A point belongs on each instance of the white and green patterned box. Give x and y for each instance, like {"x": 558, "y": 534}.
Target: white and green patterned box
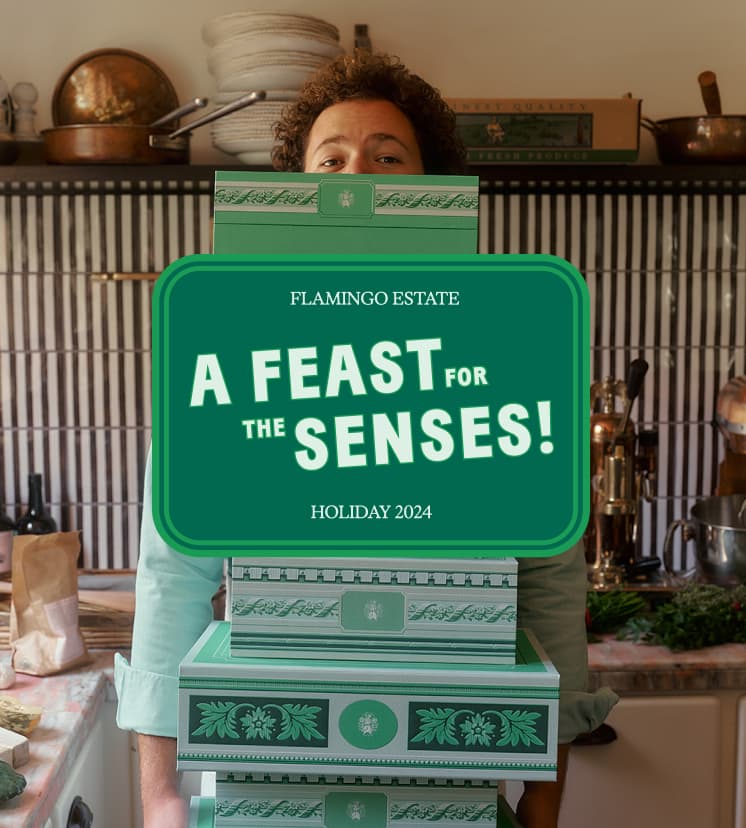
{"x": 418, "y": 609}
{"x": 275, "y": 212}
{"x": 351, "y": 807}
{"x": 437, "y": 720}
{"x": 344, "y": 802}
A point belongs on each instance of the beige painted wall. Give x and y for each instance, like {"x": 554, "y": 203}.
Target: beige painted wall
{"x": 525, "y": 48}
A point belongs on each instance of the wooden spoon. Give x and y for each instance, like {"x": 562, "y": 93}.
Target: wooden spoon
{"x": 708, "y": 84}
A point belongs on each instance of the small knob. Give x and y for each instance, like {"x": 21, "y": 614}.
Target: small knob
{"x": 637, "y": 370}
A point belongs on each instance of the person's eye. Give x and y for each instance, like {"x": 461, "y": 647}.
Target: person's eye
{"x": 388, "y": 159}
{"x": 330, "y": 162}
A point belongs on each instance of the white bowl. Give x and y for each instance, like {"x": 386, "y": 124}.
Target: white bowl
{"x": 262, "y": 110}
{"x": 270, "y": 77}
{"x": 255, "y": 158}
{"x": 272, "y": 42}
{"x": 223, "y": 67}
{"x": 236, "y": 145}
{"x": 238, "y": 131}
{"x": 240, "y": 23}
{"x": 229, "y": 124}
{"x": 281, "y": 96}
{"x": 248, "y": 116}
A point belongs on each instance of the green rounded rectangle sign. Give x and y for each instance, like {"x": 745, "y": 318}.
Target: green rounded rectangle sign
{"x": 416, "y": 406}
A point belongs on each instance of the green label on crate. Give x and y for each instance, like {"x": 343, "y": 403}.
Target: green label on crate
{"x": 354, "y": 198}
{"x": 360, "y": 809}
{"x": 368, "y": 724}
{"x": 421, "y": 406}
{"x": 380, "y": 611}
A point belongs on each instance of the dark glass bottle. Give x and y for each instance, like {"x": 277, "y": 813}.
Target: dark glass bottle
{"x": 7, "y": 530}
{"x": 36, "y": 520}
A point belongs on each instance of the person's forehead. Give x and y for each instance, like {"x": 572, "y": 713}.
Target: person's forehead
{"x": 350, "y": 118}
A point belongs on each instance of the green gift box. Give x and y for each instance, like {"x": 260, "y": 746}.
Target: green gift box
{"x": 456, "y": 611}
{"x": 316, "y": 213}
{"x": 437, "y": 720}
{"x": 353, "y": 803}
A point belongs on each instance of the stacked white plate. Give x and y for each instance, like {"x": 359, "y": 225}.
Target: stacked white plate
{"x": 254, "y": 50}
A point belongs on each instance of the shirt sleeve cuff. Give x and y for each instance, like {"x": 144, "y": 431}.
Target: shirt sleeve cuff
{"x": 145, "y": 699}
{"x": 583, "y": 712}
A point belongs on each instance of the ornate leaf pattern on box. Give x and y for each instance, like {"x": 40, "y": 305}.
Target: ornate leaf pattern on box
{"x": 285, "y": 608}
{"x": 266, "y": 808}
{"x": 477, "y": 728}
{"x": 265, "y": 196}
{"x": 252, "y": 723}
{"x": 426, "y": 199}
{"x": 453, "y": 613}
{"x": 307, "y": 197}
{"x": 445, "y": 811}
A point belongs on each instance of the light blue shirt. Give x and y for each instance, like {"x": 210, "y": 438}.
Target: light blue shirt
{"x": 173, "y": 607}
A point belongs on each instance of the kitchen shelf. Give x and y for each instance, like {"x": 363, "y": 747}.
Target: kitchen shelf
{"x": 611, "y": 179}
{"x": 518, "y": 178}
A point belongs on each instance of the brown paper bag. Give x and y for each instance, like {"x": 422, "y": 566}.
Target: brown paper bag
{"x": 44, "y": 628}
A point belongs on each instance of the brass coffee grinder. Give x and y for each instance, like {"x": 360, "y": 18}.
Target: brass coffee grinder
{"x": 623, "y": 466}
{"x": 730, "y": 415}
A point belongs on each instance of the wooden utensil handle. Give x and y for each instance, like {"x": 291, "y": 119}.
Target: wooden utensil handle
{"x": 708, "y": 85}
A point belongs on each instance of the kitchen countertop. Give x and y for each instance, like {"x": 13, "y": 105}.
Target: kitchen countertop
{"x": 71, "y": 701}
{"x": 627, "y": 667}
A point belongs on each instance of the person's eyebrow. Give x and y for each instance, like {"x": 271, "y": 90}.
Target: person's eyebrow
{"x": 381, "y": 137}
{"x": 377, "y": 137}
{"x": 332, "y": 139}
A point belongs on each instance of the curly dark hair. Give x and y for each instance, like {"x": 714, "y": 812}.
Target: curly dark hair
{"x": 366, "y": 76}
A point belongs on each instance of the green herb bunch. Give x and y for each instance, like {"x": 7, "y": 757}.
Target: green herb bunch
{"x": 607, "y": 611}
{"x": 699, "y": 615}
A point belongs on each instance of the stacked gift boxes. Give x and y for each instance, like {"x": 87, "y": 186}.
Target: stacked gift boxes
{"x": 305, "y": 704}
{"x": 362, "y": 693}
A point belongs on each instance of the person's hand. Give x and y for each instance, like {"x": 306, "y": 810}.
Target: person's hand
{"x": 166, "y": 812}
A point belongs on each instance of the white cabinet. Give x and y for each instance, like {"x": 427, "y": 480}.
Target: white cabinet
{"x": 663, "y": 770}
{"x": 101, "y": 775}
{"x": 679, "y": 762}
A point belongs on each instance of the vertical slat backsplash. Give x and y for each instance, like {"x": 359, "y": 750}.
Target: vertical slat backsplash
{"x": 75, "y": 392}
{"x": 667, "y": 281}
{"x": 666, "y": 269}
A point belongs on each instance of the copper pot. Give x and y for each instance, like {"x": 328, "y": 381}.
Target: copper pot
{"x": 130, "y": 143}
{"x": 713, "y": 138}
{"x": 703, "y": 139}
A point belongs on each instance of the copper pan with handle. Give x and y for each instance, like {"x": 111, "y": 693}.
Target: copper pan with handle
{"x": 713, "y": 138}
{"x": 155, "y": 143}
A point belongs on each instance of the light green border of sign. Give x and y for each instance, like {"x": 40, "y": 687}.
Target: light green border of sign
{"x": 493, "y": 548}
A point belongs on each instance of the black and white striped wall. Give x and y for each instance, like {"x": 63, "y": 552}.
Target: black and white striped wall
{"x": 665, "y": 261}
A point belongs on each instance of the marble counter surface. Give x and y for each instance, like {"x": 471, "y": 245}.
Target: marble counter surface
{"x": 627, "y": 667}
{"x": 70, "y": 703}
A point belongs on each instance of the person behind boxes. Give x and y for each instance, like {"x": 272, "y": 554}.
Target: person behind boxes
{"x": 366, "y": 114}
